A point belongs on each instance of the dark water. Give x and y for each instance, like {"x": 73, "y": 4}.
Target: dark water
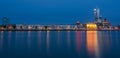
{"x": 60, "y": 44}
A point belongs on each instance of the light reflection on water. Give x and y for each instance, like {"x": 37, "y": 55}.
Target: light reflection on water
{"x": 68, "y": 39}
{"x": 9, "y": 38}
{"x": 39, "y": 39}
{"x": 58, "y": 39}
{"x": 48, "y": 41}
{"x": 29, "y": 40}
{"x": 1, "y": 40}
{"x": 92, "y": 44}
{"x": 60, "y": 44}
{"x": 78, "y": 41}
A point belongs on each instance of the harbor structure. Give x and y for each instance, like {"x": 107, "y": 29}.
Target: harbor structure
{"x": 98, "y": 24}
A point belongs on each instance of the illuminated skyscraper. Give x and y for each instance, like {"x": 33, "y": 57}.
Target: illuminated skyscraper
{"x": 96, "y": 12}
{"x": 97, "y": 15}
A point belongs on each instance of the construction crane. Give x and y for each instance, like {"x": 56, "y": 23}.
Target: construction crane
{"x": 5, "y": 21}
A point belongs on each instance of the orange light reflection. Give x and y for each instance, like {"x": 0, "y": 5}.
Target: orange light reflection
{"x": 92, "y": 44}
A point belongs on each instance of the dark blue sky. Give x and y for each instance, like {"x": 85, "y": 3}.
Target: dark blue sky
{"x": 58, "y": 11}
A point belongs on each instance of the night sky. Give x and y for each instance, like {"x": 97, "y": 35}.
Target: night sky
{"x": 58, "y": 11}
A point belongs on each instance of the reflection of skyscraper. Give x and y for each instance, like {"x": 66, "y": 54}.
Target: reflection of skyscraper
{"x": 92, "y": 44}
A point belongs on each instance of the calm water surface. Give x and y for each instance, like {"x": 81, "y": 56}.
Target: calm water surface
{"x": 60, "y": 44}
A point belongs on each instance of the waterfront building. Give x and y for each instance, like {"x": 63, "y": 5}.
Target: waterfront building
{"x": 106, "y": 23}
{"x": 91, "y": 26}
{"x": 118, "y": 26}
{"x": 2, "y": 27}
{"x": 10, "y": 26}
{"x": 40, "y": 27}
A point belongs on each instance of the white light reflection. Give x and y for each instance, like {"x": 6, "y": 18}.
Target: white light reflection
{"x": 1, "y": 40}
{"x": 29, "y": 42}
{"x": 110, "y": 38}
{"x": 92, "y": 44}
{"x": 16, "y": 36}
{"x": 9, "y": 38}
{"x": 48, "y": 41}
{"x": 106, "y": 40}
{"x": 39, "y": 35}
{"x": 58, "y": 39}
{"x": 19, "y": 39}
{"x": 68, "y": 38}
{"x": 117, "y": 38}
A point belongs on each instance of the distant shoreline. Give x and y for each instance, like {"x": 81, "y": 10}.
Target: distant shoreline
{"x": 60, "y": 30}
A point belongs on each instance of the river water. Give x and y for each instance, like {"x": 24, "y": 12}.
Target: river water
{"x": 59, "y": 44}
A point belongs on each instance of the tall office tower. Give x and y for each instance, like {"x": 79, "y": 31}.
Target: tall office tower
{"x": 97, "y": 15}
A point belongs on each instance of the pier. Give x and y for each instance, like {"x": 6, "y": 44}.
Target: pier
{"x": 59, "y": 30}
{"x": 80, "y": 27}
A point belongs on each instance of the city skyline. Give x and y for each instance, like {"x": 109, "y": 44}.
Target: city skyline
{"x": 58, "y": 12}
